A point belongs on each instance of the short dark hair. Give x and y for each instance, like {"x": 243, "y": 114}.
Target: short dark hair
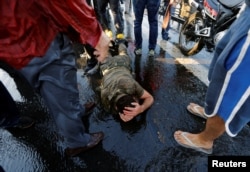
{"x": 124, "y": 101}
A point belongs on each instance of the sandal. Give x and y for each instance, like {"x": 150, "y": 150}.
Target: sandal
{"x": 196, "y": 110}
{"x": 189, "y": 144}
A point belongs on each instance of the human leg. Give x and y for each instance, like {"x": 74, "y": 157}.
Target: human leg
{"x": 215, "y": 127}
{"x": 102, "y": 8}
{"x": 139, "y": 7}
{"x": 55, "y": 77}
{"x": 227, "y": 95}
{"x": 165, "y": 34}
{"x": 233, "y": 96}
{"x": 69, "y": 119}
{"x": 117, "y": 15}
{"x": 196, "y": 110}
{"x": 166, "y": 22}
{"x": 153, "y": 7}
{"x": 96, "y": 8}
{"x": 165, "y": 29}
{"x": 127, "y": 6}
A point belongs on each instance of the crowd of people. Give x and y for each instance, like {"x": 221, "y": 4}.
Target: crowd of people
{"x": 49, "y": 66}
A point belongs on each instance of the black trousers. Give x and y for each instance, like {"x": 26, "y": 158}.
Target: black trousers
{"x": 116, "y": 11}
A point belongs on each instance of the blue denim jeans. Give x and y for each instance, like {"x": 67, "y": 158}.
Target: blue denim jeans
{"x": 54, "y": 76}
{"x": 164, "y": 33}
{"x": 152, "y": 7}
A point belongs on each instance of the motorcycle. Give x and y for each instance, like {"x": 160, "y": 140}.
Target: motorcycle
{"x": 207, "y": 25}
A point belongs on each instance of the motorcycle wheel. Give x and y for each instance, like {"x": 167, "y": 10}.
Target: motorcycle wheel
{"x": 189, "y": 43}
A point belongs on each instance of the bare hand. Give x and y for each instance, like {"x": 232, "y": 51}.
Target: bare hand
{"x": 102, "y": 47}
{"x": 130, "y": 112}
{"x": 126, "y": 118}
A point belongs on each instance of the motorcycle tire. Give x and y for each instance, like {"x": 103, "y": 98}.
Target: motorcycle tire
{"x": 189, "y": 43}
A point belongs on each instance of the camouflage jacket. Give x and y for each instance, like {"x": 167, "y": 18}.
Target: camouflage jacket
{"x": 117, "y": 81}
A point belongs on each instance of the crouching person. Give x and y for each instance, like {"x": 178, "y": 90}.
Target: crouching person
{"x": 36, "y": 39}
{"x": 120, "y": 92}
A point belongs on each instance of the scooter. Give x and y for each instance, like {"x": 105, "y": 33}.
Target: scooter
{"x": 207, "y": 25}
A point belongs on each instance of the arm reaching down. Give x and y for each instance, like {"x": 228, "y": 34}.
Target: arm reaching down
{"x": 102, "y": 47}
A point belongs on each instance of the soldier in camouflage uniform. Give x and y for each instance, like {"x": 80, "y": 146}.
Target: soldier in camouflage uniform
{"x": 118, "y": 82}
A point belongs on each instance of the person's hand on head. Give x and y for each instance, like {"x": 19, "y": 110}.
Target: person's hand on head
{"x": 126, "y": 118}
{"x": 133, "y": 111}
{"x": 102, "y": 48}
{"x": 130, "y": 112}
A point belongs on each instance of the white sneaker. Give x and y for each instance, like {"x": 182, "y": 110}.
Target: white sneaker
{"x": 151, "y": 53}
{"x": 138, "y": 51}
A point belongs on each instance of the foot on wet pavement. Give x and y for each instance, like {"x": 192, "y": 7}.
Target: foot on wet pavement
{"x": 183, "y": 140}
{"x": 196, "y": 110}
{"x": 94, "y": 140}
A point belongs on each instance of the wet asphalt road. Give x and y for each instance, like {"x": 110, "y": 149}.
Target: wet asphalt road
{"x": 144, "y": 144}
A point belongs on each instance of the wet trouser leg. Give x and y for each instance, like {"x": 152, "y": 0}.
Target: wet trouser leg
{"x": 117, "y": 15}
{"x": 139, "y": 7}
{"x": 153, "y": 7}
{"x": 103, "y": 12}
{"x": 54, "y": 75}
